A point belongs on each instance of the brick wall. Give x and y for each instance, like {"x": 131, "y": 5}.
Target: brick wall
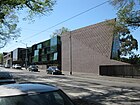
{"x": 83, "y": 50}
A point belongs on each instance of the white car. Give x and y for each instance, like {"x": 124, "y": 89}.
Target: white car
{"x": 7, "y": 66}
{"x": 17, "y": 66}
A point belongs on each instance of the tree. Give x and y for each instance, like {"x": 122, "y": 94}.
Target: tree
{"x": 1, "y": 58}
{"x": 128, "y": 19}
{"x": 128, "y": 12}
{"x": 60, "y": 32}
{"x": 134, "y": 59}
{"x": 127, "y": 42}
{"x": 9, "y": 18}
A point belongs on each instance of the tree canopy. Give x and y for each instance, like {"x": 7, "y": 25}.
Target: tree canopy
{"x": 128, "y": 19}
{"x": 128, "y": 12}
{"x": 9, "y": 18}
{"x": 60, "y": 32}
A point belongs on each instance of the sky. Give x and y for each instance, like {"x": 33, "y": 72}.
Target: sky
{"x": 40, "y": 30}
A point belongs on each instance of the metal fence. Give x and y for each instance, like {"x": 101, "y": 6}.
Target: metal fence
{"x": 120, "y": 70}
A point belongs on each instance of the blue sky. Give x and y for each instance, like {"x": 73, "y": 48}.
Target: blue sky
{"x": 63, "y": 10}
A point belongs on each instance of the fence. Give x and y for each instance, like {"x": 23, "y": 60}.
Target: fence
{"x": 120, "y": 70}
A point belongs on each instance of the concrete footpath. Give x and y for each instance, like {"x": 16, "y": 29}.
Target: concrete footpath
{"x": 107, "y": 78}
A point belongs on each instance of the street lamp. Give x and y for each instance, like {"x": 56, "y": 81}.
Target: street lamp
{"x": 26, "y": 56}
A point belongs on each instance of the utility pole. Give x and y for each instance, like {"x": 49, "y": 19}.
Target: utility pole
{"x": 70, "y": 55}
{"x": 26, "y": 58}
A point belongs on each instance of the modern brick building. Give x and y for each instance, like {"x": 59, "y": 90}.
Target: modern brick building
{"x": 47, "y": 53}
{"x": 18, "y": 56}
{"x": 85, "y": 49}
{"x": 43, "y": 54}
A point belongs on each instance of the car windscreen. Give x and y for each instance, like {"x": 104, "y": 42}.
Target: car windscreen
{"x": 52, "y": 68}
{"x": 49, "y": 98}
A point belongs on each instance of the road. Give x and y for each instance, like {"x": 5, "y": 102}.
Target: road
{"x": 88, "y": 89}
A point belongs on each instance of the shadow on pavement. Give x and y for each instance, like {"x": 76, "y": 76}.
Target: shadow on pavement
{"x": 89, "y": 93}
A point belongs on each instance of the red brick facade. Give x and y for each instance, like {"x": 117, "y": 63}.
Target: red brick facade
{"x": 83, "y": 50}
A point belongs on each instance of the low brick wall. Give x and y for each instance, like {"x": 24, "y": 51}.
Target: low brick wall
{"x": 120, "y": 70}
{"x": 43, "y": 67}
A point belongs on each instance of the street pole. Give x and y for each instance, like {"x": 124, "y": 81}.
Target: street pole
{"x": 26, "y": 58}
{"x": 70, "y": 54}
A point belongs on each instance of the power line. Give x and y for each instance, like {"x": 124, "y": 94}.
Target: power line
{"x": 65, "y": 20}
{"x": 68, "y": 19}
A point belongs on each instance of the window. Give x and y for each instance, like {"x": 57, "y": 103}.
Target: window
{"x": 46, "y": 43}
{"x": 53, "y": 48}
{"x": 43, "y": 52}
{"x": 35, "y": 59}
{"x": 59, "y": 99}
{"x": 51, "y": 57}
{"x": 55, "y": 56}
{"x": 53, "y": 41}
{"x": 44, "y": 58}
{"x": 36, "y": 52}
{"x": 39, "y": 46}
{"x": 115, "y": 47}
{"x": 48, "y": 50}
{"x": 49, "y": 98}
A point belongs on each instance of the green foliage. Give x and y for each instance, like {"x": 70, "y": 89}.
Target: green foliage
{"x": 60, "y": 32}
{"x": 127, "y": 42}
{"x": 8, "y": 28}
{"x": 134, "y": 59}
{"x": 128, "y": 19}
{"x": 9, "y": 18}
{"x": 128, "y": 12}
{"x": 1, "y": 57}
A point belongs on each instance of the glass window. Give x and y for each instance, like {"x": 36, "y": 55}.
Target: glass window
{"x": 53, "y": 48}
{"x": 15, "y": 55}
{"x": 46, "y": 43}
{"x": 39, "y": 46}
{"x": 51, "y": 57}
{"x": 50, "y": 98}
{"x": 43, "y": 52}
{"x": 35, "y": 59}
{"x": 44, "y": 58}
{"x": 48, "y": 50}
{"x": 116, "y": 46}
{"x": 36, "y": 52}
{"x": 53, "y": 41}
{"x": 55, "y": 56}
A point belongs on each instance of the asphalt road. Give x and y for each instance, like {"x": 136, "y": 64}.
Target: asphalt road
{"x": 88, "y": 89}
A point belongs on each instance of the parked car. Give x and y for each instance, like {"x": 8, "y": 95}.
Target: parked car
{"x": 6, "y": 78}
{"x": 17, "y": 66}
{"x": 32, "y": 94}
{"x": 53, "y": 70}
{"x": 1, "y": 65}
{"x": 33, "y": 68}
{"x": 13, "y": 66}
{"x": 7, "y": 66}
